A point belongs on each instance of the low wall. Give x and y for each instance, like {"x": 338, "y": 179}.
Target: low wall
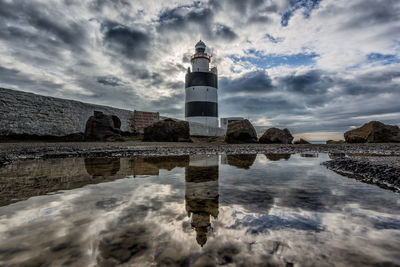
{"x": 31, "y": 114}
{"x": 24, "y": 113}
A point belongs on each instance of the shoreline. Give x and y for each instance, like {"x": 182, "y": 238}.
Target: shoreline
{"x": 371, "y": 163}
{"x": 381, "y": 171}
{"x": 33, "y": 150}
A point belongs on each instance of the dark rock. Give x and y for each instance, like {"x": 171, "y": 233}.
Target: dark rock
{"x": 301, "y": 142}
{"x": 335, "y": 142}
{"x": 335, "y": 155}
{"x": 309, "y": 155}
{"x": 117, "y": 122}
{"x": 167, "y": 130}
{"x": 277, "y": 157}
{"x": 4, "y": 159}
{"x": 240, "y": 132}
{"x": 75, "y": 137}
{"x": 276, "y": 136}
{"x": 241, "y": 161}
{"x": 168, "y": 162}
{"x": 101, "y": 127}
{"x": 102, "y": 166}
{"x": 373, "y": 132}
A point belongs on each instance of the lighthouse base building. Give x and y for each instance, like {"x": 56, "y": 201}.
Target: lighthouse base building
{"x": 201, "y": 95}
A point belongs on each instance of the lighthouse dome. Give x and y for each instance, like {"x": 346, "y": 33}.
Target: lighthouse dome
{"x": 200, "y": 47}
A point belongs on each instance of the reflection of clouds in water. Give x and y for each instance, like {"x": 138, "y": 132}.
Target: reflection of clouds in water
{"x": 283, "y": 212}
{"x": 264, "y": 223}
{"x": 135, "y": 203}
{"x": 341, "y": 238}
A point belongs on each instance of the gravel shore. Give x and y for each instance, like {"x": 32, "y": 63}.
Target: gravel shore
{"x": 382, "y": 171}
{"x": 31, "y": 150}
{"x": 372, "y": 163}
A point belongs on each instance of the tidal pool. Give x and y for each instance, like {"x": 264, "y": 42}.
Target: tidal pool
{"x": 199, "y": 210}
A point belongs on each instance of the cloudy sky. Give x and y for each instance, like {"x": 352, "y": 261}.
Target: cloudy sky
{"x": 320, "y": 66}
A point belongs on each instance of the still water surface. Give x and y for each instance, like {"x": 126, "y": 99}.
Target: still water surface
{"x": 248, "y": 210}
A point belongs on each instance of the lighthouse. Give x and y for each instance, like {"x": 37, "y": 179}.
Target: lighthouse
{"x": 201, "y": 89}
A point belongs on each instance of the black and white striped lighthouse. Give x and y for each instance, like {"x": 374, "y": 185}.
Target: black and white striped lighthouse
{"x": 201, "y": 86}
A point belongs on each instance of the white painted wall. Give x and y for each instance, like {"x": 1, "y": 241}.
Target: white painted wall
{"x": 204, "y": 160}
{"x": 204, "y": 130}
{"x": 210, "y": 121}
{"x": 201, "y": 93}
{"x": 200, "y": 65}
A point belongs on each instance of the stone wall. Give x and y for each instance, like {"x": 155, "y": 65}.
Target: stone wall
{"x": 24, "y": 113}
{"x": 30, "y": 114}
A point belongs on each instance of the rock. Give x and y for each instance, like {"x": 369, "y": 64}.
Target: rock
{"x": 277, "y": 157}
{"x": 105, "y": 167}
{"x": 309, "y": 155}
{"x": 167, "y": 130}
{"x": 240, "y": 132}
{"x": 241, "y": 161}
{"x": 373, "y": 132}
{"x": 336, "y": 155}
{"x": 335, "y": 142}
{"x": 301, "y": 142}
{"x": 168, "y": 162}
{"x": 4, "y": 159}
{"x": 75, "y": 137}
{"x": 276, "y": 136}
{"x": 101, "y": 127}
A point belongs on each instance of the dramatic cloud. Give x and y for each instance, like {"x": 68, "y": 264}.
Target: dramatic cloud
{"x": 309, "y": 65}
{"x": 257, "y": 81}
{"x": 127, "y": 41}
{"x": 109, "y": 80}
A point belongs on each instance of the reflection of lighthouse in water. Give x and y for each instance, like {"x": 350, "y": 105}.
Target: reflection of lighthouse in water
{"x": 202, "y": 193}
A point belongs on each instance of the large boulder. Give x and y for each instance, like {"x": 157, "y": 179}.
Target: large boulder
{"x": 276, "y": 136}
{"x": 101, "y": 127}
{"x": 240, "y": 132}
{"x": 373, "y": 132}
{"x": 105, "y": 167}
{"x": 241, "y": 161}
{"x": 167, "y": 130}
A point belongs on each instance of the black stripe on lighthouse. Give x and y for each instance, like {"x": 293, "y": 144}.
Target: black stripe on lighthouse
{"x": 201, "y": 79}
{"x": 201, "y": 109}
